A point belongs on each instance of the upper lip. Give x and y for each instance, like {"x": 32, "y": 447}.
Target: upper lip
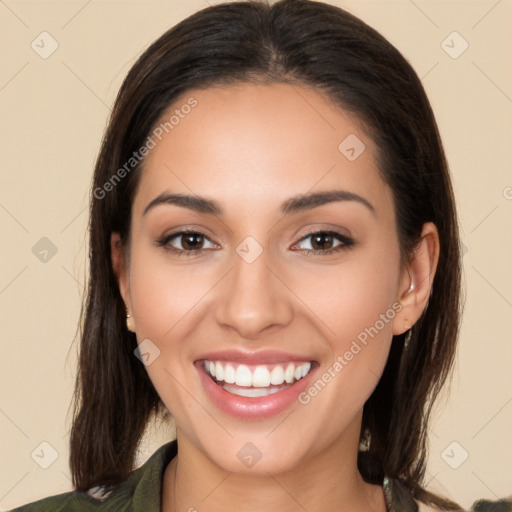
{"x": 253, "y": 358}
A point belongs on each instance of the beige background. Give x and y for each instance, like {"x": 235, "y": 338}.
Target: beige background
{"x": 53, "y": 115}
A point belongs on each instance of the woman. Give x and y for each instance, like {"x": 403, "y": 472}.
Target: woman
{"x": 274, "y": 259}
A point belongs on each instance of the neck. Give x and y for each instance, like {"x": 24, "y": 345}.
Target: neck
{"x": 329, "y": 481}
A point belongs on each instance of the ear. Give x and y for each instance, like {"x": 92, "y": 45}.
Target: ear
{"x": 120, "y": 266}
{"x": 417, "y": 279}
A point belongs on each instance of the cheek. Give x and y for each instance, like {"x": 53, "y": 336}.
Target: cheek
{"x": 350, "y": 303}
{"x": 163, "y": 299}
{"x": 168, "y": 300}
{"x": 356, "y": 304}
{"x": 351, "y": 297}
{"x": 164, "y": 294}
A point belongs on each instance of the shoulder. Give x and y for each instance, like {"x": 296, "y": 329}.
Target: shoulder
{"x": 67, "y": 502}
{"x": 426, "y": 508}
{"x": 140, "y": 491}
{"x": 399, "y": 499}
{"x": 502, "y": 505}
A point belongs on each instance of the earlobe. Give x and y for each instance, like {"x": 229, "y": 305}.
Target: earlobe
{"x": 115, "y": 252}
{"x": 415, "y": 292}
{"x": 121, "y": 272}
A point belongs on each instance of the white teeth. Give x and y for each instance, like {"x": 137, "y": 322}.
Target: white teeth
{"x": 305, "y": 369}
{"x": 289, "y": 374}
{"x": 229, "y": 374}
{"x": 277, "y": 375}
{"x": 243, "y": 376}
{"x": 219, "y": 371}
{"x": 259, "y": 377}
{"x": 250, "y": 392}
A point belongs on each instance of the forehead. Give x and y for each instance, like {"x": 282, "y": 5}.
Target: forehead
{"x": 248, "y": 145}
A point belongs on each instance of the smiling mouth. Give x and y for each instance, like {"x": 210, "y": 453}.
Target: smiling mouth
{"x": 255, "y": 380}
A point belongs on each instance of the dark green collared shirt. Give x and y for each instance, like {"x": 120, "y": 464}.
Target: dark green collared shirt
{"x": 141, "y": 492}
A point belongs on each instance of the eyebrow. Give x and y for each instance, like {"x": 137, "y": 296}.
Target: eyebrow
{"x": 293, "y": 205}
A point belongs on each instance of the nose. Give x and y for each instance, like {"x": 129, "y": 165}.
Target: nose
{"x": 253, "y": 298}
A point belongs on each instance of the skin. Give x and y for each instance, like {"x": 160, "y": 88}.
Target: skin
{"x": 251, "y": 147}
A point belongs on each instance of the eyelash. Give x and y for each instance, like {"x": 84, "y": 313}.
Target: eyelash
{"x": 346, "y": 243}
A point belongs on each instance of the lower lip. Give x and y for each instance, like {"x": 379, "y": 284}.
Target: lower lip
{"x": 252, "y": 407}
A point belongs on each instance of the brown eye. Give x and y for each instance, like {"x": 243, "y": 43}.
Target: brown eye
{"x": 326, "y": 242}
{"x": 191, "y": 241}
{"x": 322, "y": 241}
{"x": 186, "y": 242}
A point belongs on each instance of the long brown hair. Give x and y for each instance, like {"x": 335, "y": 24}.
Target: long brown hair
{"x": 297, "y": 42}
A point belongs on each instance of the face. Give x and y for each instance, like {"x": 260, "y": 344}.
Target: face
{"x": 286, "y": 284}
